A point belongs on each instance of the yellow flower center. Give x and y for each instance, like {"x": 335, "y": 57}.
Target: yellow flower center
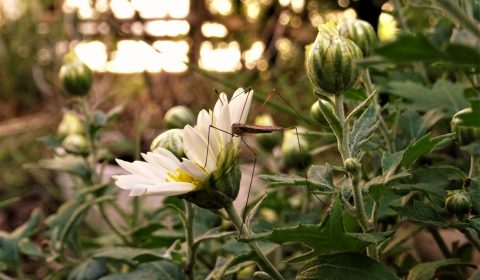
{"x": 181, "y": 176}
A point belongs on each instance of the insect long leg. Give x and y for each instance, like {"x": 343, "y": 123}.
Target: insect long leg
{"x": 250, "y": 184}
{"x": 304, "y": 167}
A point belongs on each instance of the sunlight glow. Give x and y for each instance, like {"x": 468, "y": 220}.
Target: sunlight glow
{"x": 224, "y": 58}
{"x": 172, "y": 55}
{"x": 151, "y": 9}
{"x": 213, "y": 29}
{"x": 94, "y": 54}
{"x": 222, "y": 7}
{"x": 85, "y": 11}
{"x": 122, "y": 9}
{"x": 170, "y": 28}
{"x": 254, "y": 54}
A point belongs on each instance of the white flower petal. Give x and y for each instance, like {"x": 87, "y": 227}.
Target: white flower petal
{"x": 193, "y": 169}
{"x": 140, "y": 167}
{"x": 195, "y": 147}
{"x": 173, "y": 188}
{"x": 128, "y": 182}
{"x": 161, "y": 162}
{"x": 166, "y": 153}
{"x": 239, "y": 105}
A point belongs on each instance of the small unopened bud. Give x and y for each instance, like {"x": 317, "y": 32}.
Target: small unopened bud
{"x": 360, "y": 32}
{"x": 295, "y": 148}
{"x": 352, "y": 165}
{"x": 70, "y": 124}
{"x": 75, "y": 144}
{"x": 316, "y": 111}
{"x": 267, "y": 140}
{"x": 464, "y": 134}
{"x": 178, "y": 117}
{"x": 458, "y": 202}
{"x": 75, "y": 76}
{"x": 330, "y": 62}
{"x": 171, "y": 140}
{"x": 260, "y": 275}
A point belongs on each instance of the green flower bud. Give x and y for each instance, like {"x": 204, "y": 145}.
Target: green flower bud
{"x": 221, "y": 188}
{"x": 316, "y": 112}
{"x": 360, "y": 32}
{"x": 260, "y": 275}
{"x": 75, "y": 76}
{"x": 70, "y": 124}
{"x": 464, "y": 134}
{"x": 267, "y": 140}
{"x": 330, "y": 63}
{"x": 458, "y": 202}
{"x": 352, "y": 165}
{"x": 171, "y": 140}
{"x": 178, "y": 117}
{"x": 75, "y": 144}
{"x": 294, "y": 155}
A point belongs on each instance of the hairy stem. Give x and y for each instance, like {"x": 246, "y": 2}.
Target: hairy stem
{"x": 262, "y": 260}
{"x": 111, "y": 225}
{"x": 190, "y": 214}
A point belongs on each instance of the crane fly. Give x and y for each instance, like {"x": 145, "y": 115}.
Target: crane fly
{"x": 238, "y": 130}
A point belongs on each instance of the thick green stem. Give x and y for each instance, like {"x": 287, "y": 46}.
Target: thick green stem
{"x": 473, "y": 166}
{"x": 340, "y": 112}
{"x": 190, "y": 214}
{"x": 111, "y": 225}
{"x": 360, "y": 212}
{"x": 262, "y": 260}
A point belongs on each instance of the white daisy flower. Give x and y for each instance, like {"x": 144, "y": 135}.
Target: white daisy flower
{"x": 162, "y": 173}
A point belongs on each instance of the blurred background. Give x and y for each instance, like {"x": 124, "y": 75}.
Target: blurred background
{"x": 149, "y": 55}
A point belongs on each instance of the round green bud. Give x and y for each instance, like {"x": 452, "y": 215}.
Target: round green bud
{"x": 75, "y": 144}
{"x": 316, "y": 111}
{"x": 458, "y": 202}
{"x": 70, "y": 124}
{"x": 464, "y": 134}
{"x": 178, "y": 117}
{"x": 267, "y": 140}
{"x": 295, "y": 149}
{"x": 76, "y": 77}
{"x": 330, "y": 63}
{"x": 260, "y": 275}
{"x": 360, "y": 32}
{"x": 171, "y": 140}
{"x": 352, "y": 165}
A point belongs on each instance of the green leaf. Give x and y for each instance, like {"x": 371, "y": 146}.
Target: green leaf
{"x": 74, "y": 165}
{"x": 373, "y": 237}
{"x": 345, "y": 266}
{"x": 127, "y": 255}
{"x": 29, "y": 248}
{"x": 88, "y": 270}
{"x": 426, "y": 271}
{"x": 443, "y": 95}
{"x": 409, "y": 48}
{"x": 253, "y": 211}
{"x": 329, "y": 236}
{"x": 390, "y": 162}
{"x": 423, "y": 146}
{"x": 321, "y": 176}
{"x": 472, "y": 119}
{"x": 421, "y": 213}
{"x": 161, "y": 270}
{"x": 362, "y": 130}
{"x": 313, "y": 181}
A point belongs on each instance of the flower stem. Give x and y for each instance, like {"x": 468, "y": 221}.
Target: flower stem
{"x": 190, "y": 214}
{"x": 262, "y": 260}
{"x": 473, "y": 166}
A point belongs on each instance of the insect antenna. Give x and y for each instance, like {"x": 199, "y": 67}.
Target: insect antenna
{"x": 275, "y": 92}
